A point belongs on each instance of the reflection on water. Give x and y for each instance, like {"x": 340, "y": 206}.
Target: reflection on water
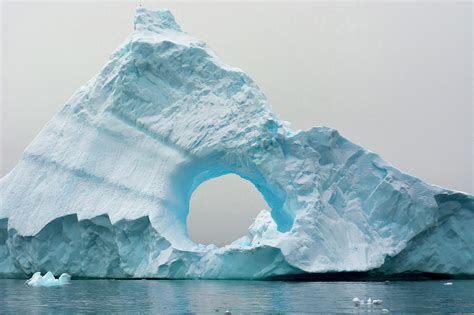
{"x": 159, "y": 296}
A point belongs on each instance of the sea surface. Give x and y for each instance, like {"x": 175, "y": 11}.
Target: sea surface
{"x": 238, "y": 297}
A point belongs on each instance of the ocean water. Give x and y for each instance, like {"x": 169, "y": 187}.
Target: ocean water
{"x": 238, "y": 297}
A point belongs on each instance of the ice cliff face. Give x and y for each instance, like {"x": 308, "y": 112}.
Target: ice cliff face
{"x": 104, "y": 189}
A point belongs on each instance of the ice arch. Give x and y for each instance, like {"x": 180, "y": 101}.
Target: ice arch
{"x": 190, "y": 175}
{"x": 221, "y": 209}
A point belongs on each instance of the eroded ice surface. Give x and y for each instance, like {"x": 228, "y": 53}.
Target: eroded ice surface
{"x": 104, "y": 189}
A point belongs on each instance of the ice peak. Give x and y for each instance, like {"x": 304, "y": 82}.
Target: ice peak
{"x": 155, "y": 21}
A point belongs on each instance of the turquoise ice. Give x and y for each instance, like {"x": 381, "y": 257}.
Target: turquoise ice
{"x": 48, "y": 280}
{"x": 104, "y": 189}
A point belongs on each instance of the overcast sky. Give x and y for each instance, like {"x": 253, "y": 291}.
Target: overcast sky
{"x": 394, "y": 78}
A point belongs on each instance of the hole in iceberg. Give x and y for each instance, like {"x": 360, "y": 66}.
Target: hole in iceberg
{"x": 222, "y": 209}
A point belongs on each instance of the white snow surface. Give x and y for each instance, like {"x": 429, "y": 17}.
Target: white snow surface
{"x": 104, "y": 189}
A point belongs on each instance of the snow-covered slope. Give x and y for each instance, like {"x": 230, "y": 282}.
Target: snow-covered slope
{"x": 104, "y": 189}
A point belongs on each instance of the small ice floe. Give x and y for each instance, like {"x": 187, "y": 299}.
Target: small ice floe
{"x": 358, "y": 302}
{"x": 448, "y": 283}
{"x": 384, "y": 310}
{"x": 48, "y": 280}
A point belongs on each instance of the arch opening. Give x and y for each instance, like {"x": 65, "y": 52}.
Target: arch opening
{"x": 221, "y": 209}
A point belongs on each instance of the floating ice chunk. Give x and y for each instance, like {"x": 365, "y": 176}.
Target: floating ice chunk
{"x": 448, "y": 283}
{"x": 356, "y": 301}
{"x": 48, "y": 280}
{"x": 384, "y": 310}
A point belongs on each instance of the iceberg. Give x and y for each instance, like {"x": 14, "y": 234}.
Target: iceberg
{"x": 104, "y": 189}
{"x": 48, "y": 280}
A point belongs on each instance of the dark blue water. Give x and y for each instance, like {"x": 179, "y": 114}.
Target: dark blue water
{"x": 239, "y": 297}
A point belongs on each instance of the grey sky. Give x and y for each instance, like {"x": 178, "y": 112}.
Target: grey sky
{"x": 394, "y": 78}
